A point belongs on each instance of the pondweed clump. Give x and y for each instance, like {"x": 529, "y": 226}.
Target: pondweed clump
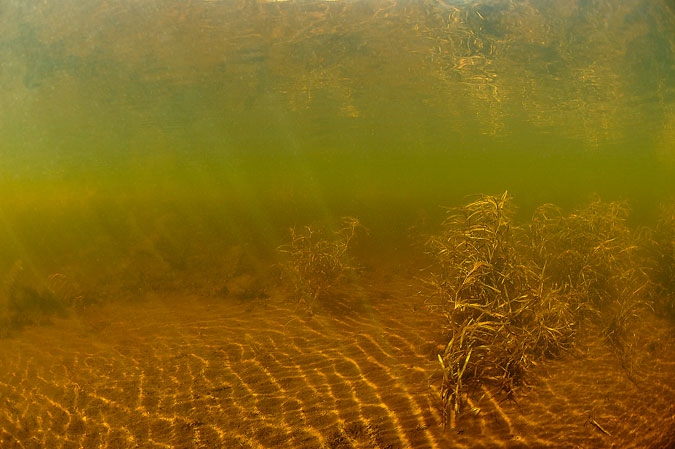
{"x": 515, "y": 295}
{"x": 662, "y": 252}
{"x": 500, "y": 316}
{"x": 22, "y": 304}
{"x": 597, "y": 262}
{"x": 590, "y": 252}
{"x": 315, "y": 262}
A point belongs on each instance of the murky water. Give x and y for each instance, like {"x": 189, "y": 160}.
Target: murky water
{"x": 158, "y": 150}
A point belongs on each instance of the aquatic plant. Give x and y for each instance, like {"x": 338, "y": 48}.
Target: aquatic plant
{"x": 598, "y": 263}
{"x": 661, "y": 248}
{"x": 515, "y": 295}
{"x": 315, "y": 263}
{"x": 501, "y": 315}
{"x": 22, "y": 304}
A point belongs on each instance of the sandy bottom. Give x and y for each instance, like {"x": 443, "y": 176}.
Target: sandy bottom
{"x": 359, "y": 371}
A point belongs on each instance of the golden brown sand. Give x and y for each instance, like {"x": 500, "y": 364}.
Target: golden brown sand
{"x": 174, "y": 370}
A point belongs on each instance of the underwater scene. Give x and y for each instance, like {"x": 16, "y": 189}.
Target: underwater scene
{"x": 337, "y": 224}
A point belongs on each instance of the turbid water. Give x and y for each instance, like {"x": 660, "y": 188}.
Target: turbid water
{"x": 153, "y": 156}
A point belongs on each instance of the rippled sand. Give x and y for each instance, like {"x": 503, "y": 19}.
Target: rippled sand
{"x": 180, "y": 370}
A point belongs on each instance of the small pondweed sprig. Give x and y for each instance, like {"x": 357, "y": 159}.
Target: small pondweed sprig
{"x": 315, "y": 262}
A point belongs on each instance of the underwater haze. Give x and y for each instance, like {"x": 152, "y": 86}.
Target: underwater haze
{"x": 154, "y": 155}
{"x": 335, "y": 107}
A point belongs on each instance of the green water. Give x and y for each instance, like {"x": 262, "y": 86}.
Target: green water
{"x": 155, "y": 153}
{"x": 206, "y": 120}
